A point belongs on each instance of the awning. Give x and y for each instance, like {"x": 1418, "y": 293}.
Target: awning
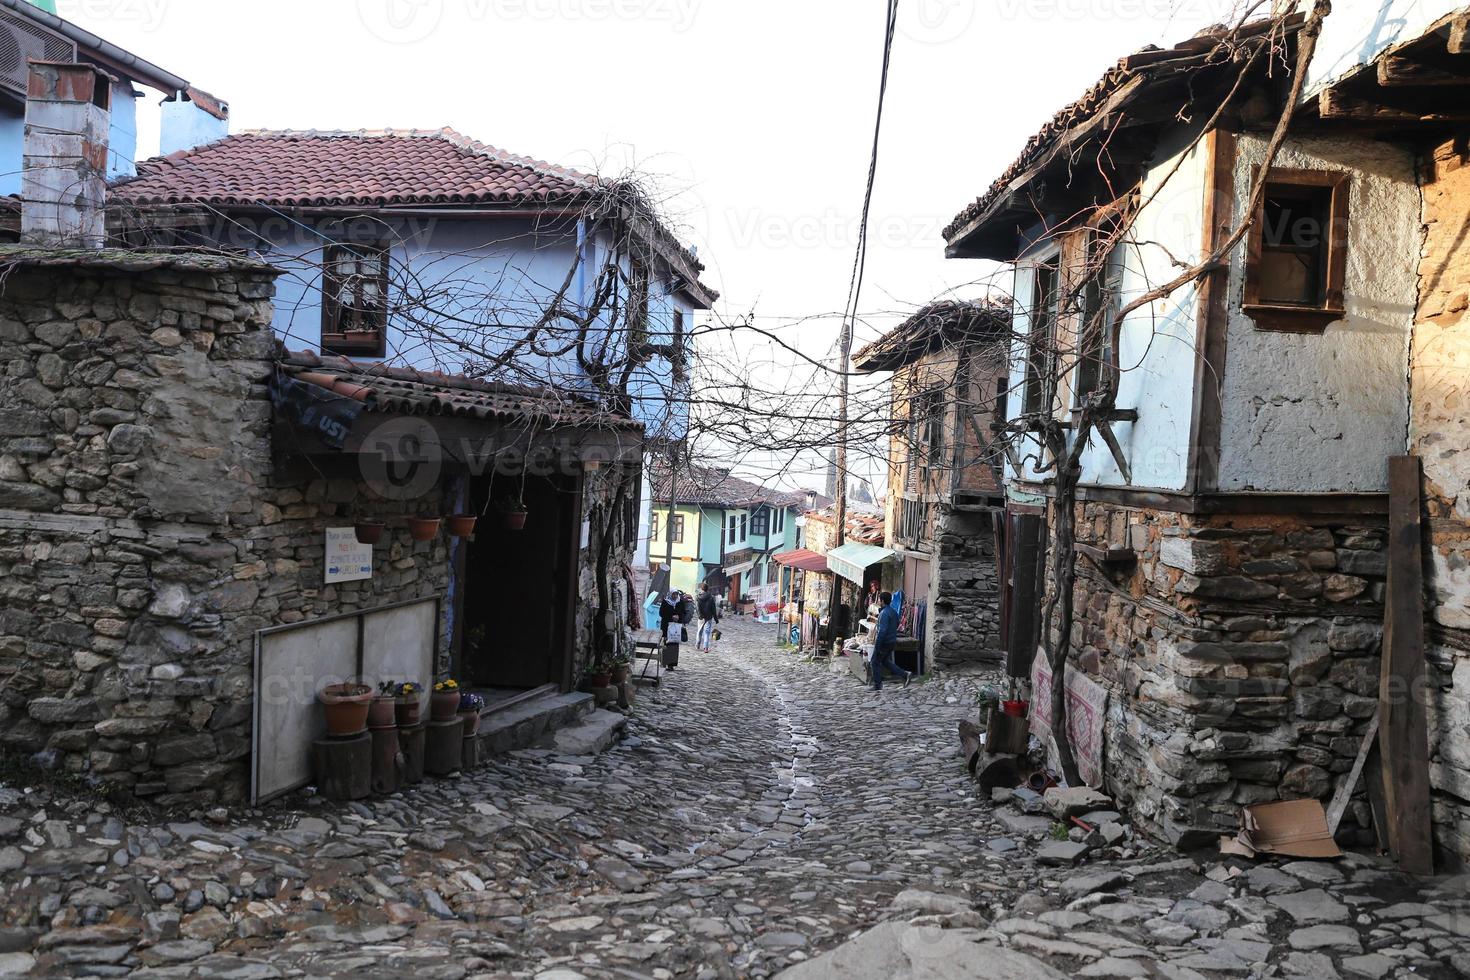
{"x": 739, "y": 569}
{"x": 802, "y": 559}
{"x": 851, "y": 560}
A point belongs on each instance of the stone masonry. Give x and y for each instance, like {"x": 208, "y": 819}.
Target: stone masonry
{"x": 964, "y": 620}
{"x": 143, "y": 534}
{"x": 1241, "y": 655}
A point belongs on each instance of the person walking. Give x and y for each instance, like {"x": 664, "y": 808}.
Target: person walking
{"x": 709, "y": 615}
{"x": 675, "y": 613}
{"x": 885, "y": 642}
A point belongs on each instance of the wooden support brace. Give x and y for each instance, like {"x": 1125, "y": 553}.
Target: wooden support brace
{"x": 1403, "y": 736}
{"x": 1344, "y": 793}
{"x": 1105, "y": 429}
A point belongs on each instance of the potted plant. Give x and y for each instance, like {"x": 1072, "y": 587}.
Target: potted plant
{"x": 423, "y": 528}
{"x": 381, "y": 710}
{"x": 600, "y": 675}
{"x": 410, "y": 700}
{"x": 346, "y": 707}
{"x": 513, "y": 513}
{"x": 369, "y": 530}
{"x": 622, "y": 669}
{"x": 470, "y": 706}
{"x": 444, "y": 702}
{"x": 461, "y": 525}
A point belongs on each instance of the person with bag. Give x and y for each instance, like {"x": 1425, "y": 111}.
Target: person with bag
{"x": 709, "y": 615}
{"x": 885, "y": 642}
{"x": 675, "y": 614}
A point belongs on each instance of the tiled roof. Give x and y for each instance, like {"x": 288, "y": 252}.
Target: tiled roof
{"x": 862, "y": 527}
{"x": 713, "y": 487}
{"x": 363, "y": 168}
{"x": 939, "y": 324}
{"x": 1214, "y": 46}
{"x": 405, "y": 391}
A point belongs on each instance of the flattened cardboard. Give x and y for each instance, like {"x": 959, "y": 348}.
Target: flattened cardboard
{"x": 1294, "y": 828}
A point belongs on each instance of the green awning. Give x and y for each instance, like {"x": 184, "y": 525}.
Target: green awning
{"x": 851, "y": 560}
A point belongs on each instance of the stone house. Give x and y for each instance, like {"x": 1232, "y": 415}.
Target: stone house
{"x": 175, "y": 484}
{"x": 950, "y": 374}
{"x": 1231, "y": 585}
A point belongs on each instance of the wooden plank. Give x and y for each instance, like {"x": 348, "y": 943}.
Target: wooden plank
{"x": 1344, "y": 793}
{"x": 1335, "y": 104}
{"x": 1403, "y": 736}
{"x": 1212, "y": 317}
{"x": 1459, "y": 42}
{"x": 1426, "y": 69}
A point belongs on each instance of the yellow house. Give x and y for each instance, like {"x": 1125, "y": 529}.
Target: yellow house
{"x": 686, "y": 571}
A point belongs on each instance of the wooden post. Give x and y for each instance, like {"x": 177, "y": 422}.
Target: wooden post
{"x": 344, "y": 766}
{"x": 1403, "y": 737}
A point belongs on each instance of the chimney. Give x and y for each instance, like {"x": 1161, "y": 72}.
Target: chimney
{"x": 64, "y": 172}
{"x": 190, "y": 119}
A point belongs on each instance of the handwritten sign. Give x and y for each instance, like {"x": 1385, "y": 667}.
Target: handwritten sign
{"x": 347, "y": 559}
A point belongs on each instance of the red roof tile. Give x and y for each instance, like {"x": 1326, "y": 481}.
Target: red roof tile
{"x": 364, "y": 168}
{"x": 410, "y": 392}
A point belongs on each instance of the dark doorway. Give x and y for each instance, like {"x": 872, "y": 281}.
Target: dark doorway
{"x": 519, "y": 588}
{"x": 1022, "y": 589}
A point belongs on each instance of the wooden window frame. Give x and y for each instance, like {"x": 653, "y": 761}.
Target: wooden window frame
{"x": 676, "y": 526}
{"x": 653, "y": 526}
{"x": 1103, "y": 291}
{"x": 1302, "y": 319}
{"x": 760, "y": 523}
{"x": 367, "y": 333}
{"x": 639, "y": 302}
{"x": 1040, "y": 384}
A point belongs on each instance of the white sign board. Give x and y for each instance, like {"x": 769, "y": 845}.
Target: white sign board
{"x": 347, "y": 559}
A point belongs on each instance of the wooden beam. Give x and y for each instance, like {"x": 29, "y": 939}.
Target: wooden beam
{"x": 1344, "y": 793}
{"x": 1403, "y": 737}
{"x": 1335, "y": 104}
{"x": 1430, "y": 68}
{"x": 1459, "y": 42}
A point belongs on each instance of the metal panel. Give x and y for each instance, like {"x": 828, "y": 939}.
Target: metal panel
{"x": 290, "y": 667}
{"x": 852, "y": 560}
{"x": 292, "y": 663}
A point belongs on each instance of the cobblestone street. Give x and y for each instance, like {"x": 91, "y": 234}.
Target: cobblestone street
{"x": 762, "y": 812}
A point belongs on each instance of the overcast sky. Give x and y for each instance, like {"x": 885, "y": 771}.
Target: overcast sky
{"x": 756, "y": 114}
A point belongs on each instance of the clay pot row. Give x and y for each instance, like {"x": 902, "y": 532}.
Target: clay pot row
{"x": 352, "y": 707}
{"x": 370, "y": 530}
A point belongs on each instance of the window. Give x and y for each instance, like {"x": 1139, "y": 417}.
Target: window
{"x": 355, "y": 300}
{"x": 760, "y": 522}
{"x": 926, "y": 438}
{"x": 653, "y": 528}
{"x": 677, "y": 524}
{"x": 680, "y": 367}
{"x": 744, "y": 526}
{"x": 1101, "y": 303}
{"x": 637, "y": 312}
{"x": 732, "y": 528}
{"x": 1040, "y": 355}
{"x": 778, "y": 521}
{"x": 1297, "y": 261}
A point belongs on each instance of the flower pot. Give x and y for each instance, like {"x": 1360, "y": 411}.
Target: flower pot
{"x": 346, "y": 707}
{"x": 423, "y": 528}
{"x": 381, "y": 713}
{"x": 406, "y": 710}
{"x": 471, "y": 721}
{"x": 369, "y": 532}
{"x": 620, "y": 675}
{"x": 515, "y": 520}
{"x": 443, "y": 705}
{"x": 603, "y": 679}
{"x": 461, "y": 525}
{"x": 1016, "y": 709}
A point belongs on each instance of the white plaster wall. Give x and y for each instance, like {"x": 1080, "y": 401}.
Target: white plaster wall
{"x": 1358, "y": 31}
{"x": 1321, "y": 413}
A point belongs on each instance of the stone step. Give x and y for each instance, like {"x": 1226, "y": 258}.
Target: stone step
{"x": 594, "y": 734}
{"x": 525, "y": 724}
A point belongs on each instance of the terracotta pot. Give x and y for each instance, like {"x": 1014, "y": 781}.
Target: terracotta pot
{"x": 1016, "y": 709}
{"x": 515, "y": 520}
{"x": 603, "y": 679}
{"x": 443, "y": 705}
{"x": 423, "y": 528}
{"x": 461, "y": 525}
{"x": 406, "y": 710}
{"x": 381, "y": 713}
{"x": 471, "y": 721}
{"x": 346, "y": 707}
{"x": 368, "y": 532}
{"x": 620, "y": 675}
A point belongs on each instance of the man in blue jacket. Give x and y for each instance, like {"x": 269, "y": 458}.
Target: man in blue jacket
{"x": 885, "y": 641}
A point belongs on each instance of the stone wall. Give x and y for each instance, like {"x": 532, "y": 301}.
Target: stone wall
{"x": 1241, "y": 654}
{"x": 1440, "y": 434}
{"x": 144, "y": 535}
{"x": 964, "y": 591}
